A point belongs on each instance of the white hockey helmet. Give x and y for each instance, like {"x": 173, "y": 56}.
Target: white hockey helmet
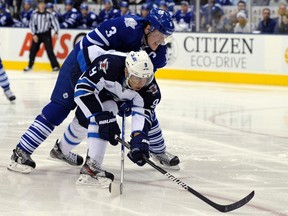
{"x": 140, "y": 67}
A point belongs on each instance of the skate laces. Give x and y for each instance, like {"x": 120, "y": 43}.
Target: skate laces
{"x": 71, "y": 157}
{"x": 23, "y": 155}
{"x": 164, "y": 157}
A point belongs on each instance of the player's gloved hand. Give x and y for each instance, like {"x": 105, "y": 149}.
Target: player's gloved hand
{"x": 124, "y": 108}
{"x": 108, "y": 127}
{"x": 139, "y": 147}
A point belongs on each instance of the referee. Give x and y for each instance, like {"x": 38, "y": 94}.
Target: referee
{"x": 41, "y": 24}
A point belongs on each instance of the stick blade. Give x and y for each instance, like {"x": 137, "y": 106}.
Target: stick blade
{"x": 236, "y": 205}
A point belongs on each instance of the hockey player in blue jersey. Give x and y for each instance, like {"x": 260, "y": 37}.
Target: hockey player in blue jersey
{"x": 124, "y": 8}
{"x": 124, "y": 34}
{"x": 50, "y": 8}
{"x": 111, "y": 79}
{"x": 70, "y": 19}
{"x": 5, "y": 16}
{"x": 5, "y": 84}
{"x": 88, "y": 19}
{"x": 108, "y": 12}
{"x": 25, "y": 14}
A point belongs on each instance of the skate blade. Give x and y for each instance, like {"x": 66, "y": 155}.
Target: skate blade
{"x": 99, "y": 182}
{"x": 20, "y": 168}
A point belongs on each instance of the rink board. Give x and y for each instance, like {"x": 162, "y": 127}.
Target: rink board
{"x": 241, "y": 58}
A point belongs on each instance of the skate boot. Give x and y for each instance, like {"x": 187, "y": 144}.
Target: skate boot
{"x": 9, "y": 95}
{"x": 21, "y": 162}
{"x": 71, "y": 158}
{"x": 91, "y": 174}
{"x": 166, "y": 160}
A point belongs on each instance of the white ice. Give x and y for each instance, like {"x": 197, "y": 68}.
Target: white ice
{"x": 231, "y": 139}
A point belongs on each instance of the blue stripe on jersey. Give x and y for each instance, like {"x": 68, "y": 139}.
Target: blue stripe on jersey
{"x": 86, "y": 81}
{"x": 79, "y": 93}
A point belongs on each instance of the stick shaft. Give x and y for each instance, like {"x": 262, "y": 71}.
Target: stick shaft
{"x": 122, "y": 155}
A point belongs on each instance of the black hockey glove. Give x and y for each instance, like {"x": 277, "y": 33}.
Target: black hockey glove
{"x": 124, "y": 108}
{"x": 108, "y": 127}
{"x": 139, "y": 147}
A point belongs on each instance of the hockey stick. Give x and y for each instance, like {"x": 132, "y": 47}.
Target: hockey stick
{"x": 122, "y": 155}
{"x": 221, "y": 208}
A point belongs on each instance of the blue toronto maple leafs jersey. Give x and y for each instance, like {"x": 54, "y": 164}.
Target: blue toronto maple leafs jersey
{"x": 70, "y": 19}
{"x": 88, "y": 22}
{"x": 25, "y": 17}
{"x": 123, "y": 34}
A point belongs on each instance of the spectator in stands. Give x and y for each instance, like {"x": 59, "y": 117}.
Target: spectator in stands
{"x": 184, "y": 18}
{"x": 163, "y": 5}
{"x": 242, "y": 25}
{"x": 282, "y": 10}
{"x": 171, "y": 5}
{"x": 283, "y": 29}
{"x": 212, "y": 17}
{"x": 108, "y": 12}
{"x": 224, "y": 2}
{"x": 88, "y": 19}
{"x": 124, "y": 8}
{"x": 26, "y": 13}
{"x": 275, "y": 3}
{"x": 70, "y": 19}
{"x": 50, "y": 8}
{"x": 241, "y": 6}
{"x": 145, "y": 8}
{"x": 6, "y": 19}
{"x": 266, "y": 25}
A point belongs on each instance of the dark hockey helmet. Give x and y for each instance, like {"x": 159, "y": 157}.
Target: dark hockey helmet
{"x": 161, "y": 20}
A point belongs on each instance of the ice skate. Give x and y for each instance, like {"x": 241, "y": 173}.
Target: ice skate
{"x": 71, "y": 158}
{"x": 21, "y": 162}
{"x": 166, "y": 160}
{"x": 91, "y": 174}
{"x": 9, "y": 95}
{"x": 26, "y": 69}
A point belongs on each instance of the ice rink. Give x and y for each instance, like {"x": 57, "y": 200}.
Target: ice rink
{"x": 231, "y": 139}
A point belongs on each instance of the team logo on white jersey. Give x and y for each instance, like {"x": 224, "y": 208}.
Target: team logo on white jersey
{"x": 103, "y": 65}
{"x": 130, "y": 22}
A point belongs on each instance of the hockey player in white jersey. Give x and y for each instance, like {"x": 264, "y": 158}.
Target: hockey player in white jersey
{"x": 112, "y": 79}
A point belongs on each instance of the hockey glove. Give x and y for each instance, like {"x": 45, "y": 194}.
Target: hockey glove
{"x": 108, "y": 127}
{"x": 125, "y": 108}
{"x": 139, "y": 148}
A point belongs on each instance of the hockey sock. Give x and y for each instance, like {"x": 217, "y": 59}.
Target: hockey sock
{"x": 39, "y": 130}
{"x": 157, "y": 144}
{"x": 73, "y": 135}
{"x": 96, "y": 146}
{"x": 4, "y": 82}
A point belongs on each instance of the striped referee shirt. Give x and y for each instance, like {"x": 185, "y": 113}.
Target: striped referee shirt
{"x": 43, "y": 22}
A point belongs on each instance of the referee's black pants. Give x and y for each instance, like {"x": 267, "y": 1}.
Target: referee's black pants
{"x": 47, "y": 40}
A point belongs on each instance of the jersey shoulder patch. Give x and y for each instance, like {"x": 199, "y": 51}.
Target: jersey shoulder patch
{"x": 130, "y": 22}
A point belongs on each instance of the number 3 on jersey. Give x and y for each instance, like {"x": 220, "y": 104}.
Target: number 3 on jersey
{"x": 111, "y": 32}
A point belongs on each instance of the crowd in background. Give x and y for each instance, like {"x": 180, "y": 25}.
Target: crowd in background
{"x": 213, "y": 16}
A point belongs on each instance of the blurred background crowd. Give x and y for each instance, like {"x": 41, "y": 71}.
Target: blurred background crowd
{"x": 218, "y": 16}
